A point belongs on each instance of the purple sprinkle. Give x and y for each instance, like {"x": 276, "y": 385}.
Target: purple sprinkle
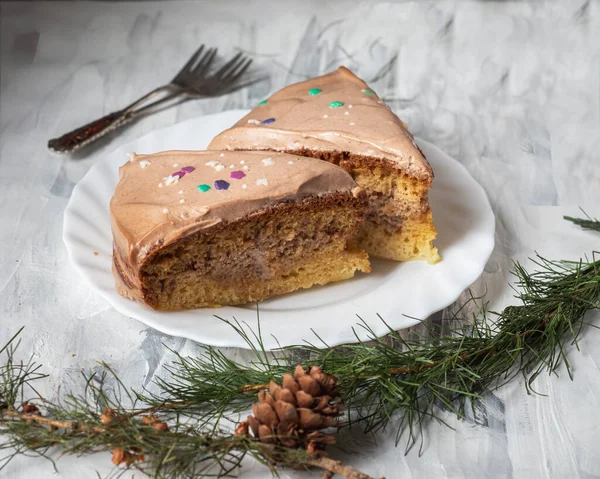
{"x": 237, "y": 175}
{"x": 267, "y": 121}
{"x": 178, "y": 174}
{"x": 221, "y": 185}
{"x": 188, "y": 169}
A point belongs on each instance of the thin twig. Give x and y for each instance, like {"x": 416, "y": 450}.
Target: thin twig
{"x": 336, "y": 467}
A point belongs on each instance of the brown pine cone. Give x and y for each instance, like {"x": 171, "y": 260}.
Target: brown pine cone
{"x": 294, "y": 413}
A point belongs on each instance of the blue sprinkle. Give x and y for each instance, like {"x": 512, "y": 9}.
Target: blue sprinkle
{"x": 221, "y": 185}
{"x": 267, "y": 121}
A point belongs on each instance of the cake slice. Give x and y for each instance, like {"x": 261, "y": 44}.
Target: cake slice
{"x": 204, "y": 229}
{"x": 338, "y": 118}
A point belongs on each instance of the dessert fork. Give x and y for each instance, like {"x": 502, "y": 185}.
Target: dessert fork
{"x": 192, "y": 81}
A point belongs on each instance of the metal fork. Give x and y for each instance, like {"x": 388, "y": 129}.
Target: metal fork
{"x": 192, "y": 81}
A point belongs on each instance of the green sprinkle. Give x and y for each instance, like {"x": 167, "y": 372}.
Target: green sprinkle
{"x": 262, "y": 102}
{"x": 314, "y": 91}
{"x": 204, "y": 188}
{"x": 368, "y": 92}
{"x": 335, "y": 104}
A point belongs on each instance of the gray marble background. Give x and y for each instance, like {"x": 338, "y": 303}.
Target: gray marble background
{"x": 510, "y": 89}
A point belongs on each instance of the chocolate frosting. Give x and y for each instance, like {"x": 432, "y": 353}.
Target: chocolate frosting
{"x": 164, "y": 196}
{"x": 333, "y": 112}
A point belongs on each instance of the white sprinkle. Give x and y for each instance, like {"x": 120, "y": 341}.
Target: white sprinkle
{"x": 182, "y": 201}
{"x": 160, "y": 185}
{"x": 268, "y": 161}
{"x": 253, "y": 122}
{"x": 222, "y": 155}
{"x": 349, "y": 106}
{"x": 182, "y": 216}
{"x": 180, "y": 192}
{"x": 262, "y": 181}
{"x": 290, "y": 162}
{"x": 347, "y": 113}
{"x": 242, "y": 162}
{"x": 351, "y": 123}
{"x": 131, "y": 156}
{"x": 171, "y": 179}
{"x": 231, "y": 166}
{"x": 175, "y": 165}
{"x": 144, "y": 163}
{"x": 325, "y": 116}
{"x": 203, "y": 210}
{"x": 165, "y": 210}
{"x": 244, "y": 186}
{"x": 245, "y": 167}
{"x": 215, "y": 164}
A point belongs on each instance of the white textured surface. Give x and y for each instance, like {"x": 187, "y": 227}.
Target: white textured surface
{"x": 510, "y": 89}
{"x": 465, "y": 226}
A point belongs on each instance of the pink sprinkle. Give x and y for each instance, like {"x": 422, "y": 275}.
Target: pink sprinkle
{"x": 237, "y": 175}
{"x": 188, "y": 169}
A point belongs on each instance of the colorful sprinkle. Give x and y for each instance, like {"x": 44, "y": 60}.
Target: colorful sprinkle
{"x": 245, "y": 167}
{"x": 242, "y": 162}
{"x": 368, "y": 92}
{"x": 180, "y": 192}
{"x": 222, "y": 155}
{"x": 221, "y": 185}
{"x": 314, "y": 91}
{"x": 231, "y": 166}
{"x": 325, "y": 116}
{"x": 290, "y": 162}
{"x": 352, "y": 123}
{"x": 182, "y": 201}
{"x": 175, "y": 165}
{"x": 131, "y": 157}
{"x": 347, "y": 113}
{"x": 262, "y": 102}
{"x": 268, "y": 161}
{"x": 268, "y": 121}
{"x": 244, "y": 186}
{"x": 160, "y": 185}
{"x": 262, "y": 181}
{"x": 237, "y": 175}
{"x": 349, "y": 106}
{"x": 145, "y": 163}
{"x": 203, "y": 210}
{"x": 203, "y": 188}
{"x": 215, "y": 164}
{"x": 335, "y": 104}
{"x": 174, "y": 178}
{"x": 188, "y": 169}
{"x": 252, "y": 121}
{"x": 165, "y": 210}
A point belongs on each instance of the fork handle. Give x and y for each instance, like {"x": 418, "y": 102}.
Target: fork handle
{"x": 88, "y": 133}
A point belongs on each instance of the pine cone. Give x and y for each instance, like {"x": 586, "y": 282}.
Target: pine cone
{"x": 294, "y": 413}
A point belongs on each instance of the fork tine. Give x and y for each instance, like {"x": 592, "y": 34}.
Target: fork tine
{"x": 205, "y": 62}
{"x": 190, "y": 62}
{"x": 236, "y": 74}
{"x": 225, "y": 68}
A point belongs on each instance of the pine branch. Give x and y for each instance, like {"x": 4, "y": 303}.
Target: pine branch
{"x": 379, "y": 379}
{"x": 586, "y": 223}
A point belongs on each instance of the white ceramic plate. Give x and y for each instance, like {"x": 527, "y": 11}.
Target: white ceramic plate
{"x": 396, "y": 291}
